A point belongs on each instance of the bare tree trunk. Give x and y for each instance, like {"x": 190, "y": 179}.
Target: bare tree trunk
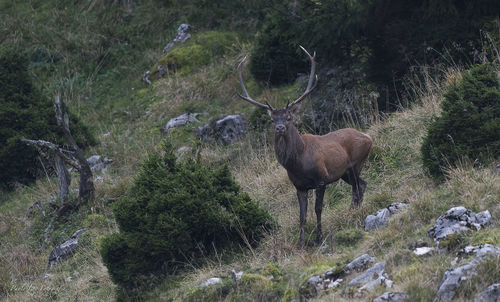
{"x": 63, "y": 178}
{"x": 86, "y": 179}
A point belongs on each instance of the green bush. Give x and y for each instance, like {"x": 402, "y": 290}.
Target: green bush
{"x": 200, "y": 50}
{"x": 469, "y": 125}
{"x": 175, "y": 213}
{"x": 26, "y": 112}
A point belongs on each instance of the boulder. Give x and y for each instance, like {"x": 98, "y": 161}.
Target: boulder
{"x": 457, "y": 220}
{"x": 358, "y": 264}
{"x": 490, "y": 294}
{"x": 181, "y": 120}
{"x": 381, "y": 218}
{"x": 226, "y": 130}
{"x": 66, "y": 249}
{"x": 392, "y": 297}
{"x": 452, "y": 278}
{"x": 98, "y": 163}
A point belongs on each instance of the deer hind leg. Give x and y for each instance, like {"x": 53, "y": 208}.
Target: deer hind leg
{"x": 302, "y": 196}
{"x": 320, "y": 193}
{"x": 358, "y": 185}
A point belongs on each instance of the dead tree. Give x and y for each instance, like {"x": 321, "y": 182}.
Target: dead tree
{"x": 86, "y": 179}
{"x": 74, "y": 157}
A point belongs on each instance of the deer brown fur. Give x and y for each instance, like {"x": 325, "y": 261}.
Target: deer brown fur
{"x": 314, "y": 161}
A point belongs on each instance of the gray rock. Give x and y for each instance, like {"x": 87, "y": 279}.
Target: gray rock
{"x": 381, "y": 218}
{"x": 98, "y": 163}
{"x": 372, "y": 285}
{"x": 66, "y": 249}
{"x": 211, "y": 281}
{"x": 452, "y": 278}
{"x": 490, "y": 294}
{"x": 425, "y": 250}
{"x": 145, "y": 77}
{"x": 226, "y": 130}
{"x": 315, "y": 284}
{"x": 373, "y": 273}
{"x": 181, "y": 120}
{"x": 236, "y": 276}
{"x": 457, "y": 220}
{"x": 397, "y": 207}
{"x": 392, "y": 297}
{"x": 183, "y": 33}
{"x": 359, "y": 264}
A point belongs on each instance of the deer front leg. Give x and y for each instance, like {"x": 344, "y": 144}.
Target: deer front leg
{"x": 320, "y": 193}
{"x": 302, "y": 196}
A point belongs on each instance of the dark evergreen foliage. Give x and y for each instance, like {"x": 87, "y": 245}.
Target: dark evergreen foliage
{"x": 26, "y": 112}
{"x": 175, "y": 213}
{"x": 402, "y": 34}
{"x": 382, "y": 38}
{"x": 328, "y": 27}
{"x": 469, "y": 125}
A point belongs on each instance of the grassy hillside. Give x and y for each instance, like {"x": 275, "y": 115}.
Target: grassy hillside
{"x": 127, "y": 117}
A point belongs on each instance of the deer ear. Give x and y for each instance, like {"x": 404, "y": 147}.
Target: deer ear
{"x": 294, "y": 109}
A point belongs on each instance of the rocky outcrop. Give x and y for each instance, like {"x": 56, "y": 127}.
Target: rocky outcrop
{"x": 65, "y": 250}
{"x": 392, "y": 297}
{"x": 457, "y": 220}
{"x": 181, "y": 120}
{"x": 490, "y": 294}
{"x": 226, "y": 130}
{"x": 367, "y": 281}
{"x": 183, "y": 33}
{"x": 381, "y": 218}
{"x": 452, "y": 278}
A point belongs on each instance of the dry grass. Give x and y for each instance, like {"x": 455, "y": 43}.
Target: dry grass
{"x": 393, "y": 173}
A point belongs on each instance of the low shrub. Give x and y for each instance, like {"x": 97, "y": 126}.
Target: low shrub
{"x": 176, "y": 213}
{"x": 469, "y": 125}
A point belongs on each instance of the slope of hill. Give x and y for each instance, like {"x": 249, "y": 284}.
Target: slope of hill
{"x": 128, "y": 115}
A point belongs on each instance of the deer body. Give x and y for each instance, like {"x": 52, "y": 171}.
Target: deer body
{"x": 314, "y": 161}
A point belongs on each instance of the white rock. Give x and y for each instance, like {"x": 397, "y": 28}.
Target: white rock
{"x": 211, "y": 281}
{"x": 422, "y": 251}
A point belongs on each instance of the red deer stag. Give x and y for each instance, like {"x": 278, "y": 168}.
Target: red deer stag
{"x": 314, "y": 161}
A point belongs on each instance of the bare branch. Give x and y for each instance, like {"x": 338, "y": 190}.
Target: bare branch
{"x": 66, "y": 155}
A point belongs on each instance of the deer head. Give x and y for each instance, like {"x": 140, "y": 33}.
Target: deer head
{"x": 282, "y": 118}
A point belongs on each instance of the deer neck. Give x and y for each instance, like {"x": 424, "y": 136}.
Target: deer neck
{"x": 288, "y": 147}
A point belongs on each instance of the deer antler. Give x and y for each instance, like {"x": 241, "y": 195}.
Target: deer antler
{"x": 312, "y": 79}
{"x": 247, "y": 97}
